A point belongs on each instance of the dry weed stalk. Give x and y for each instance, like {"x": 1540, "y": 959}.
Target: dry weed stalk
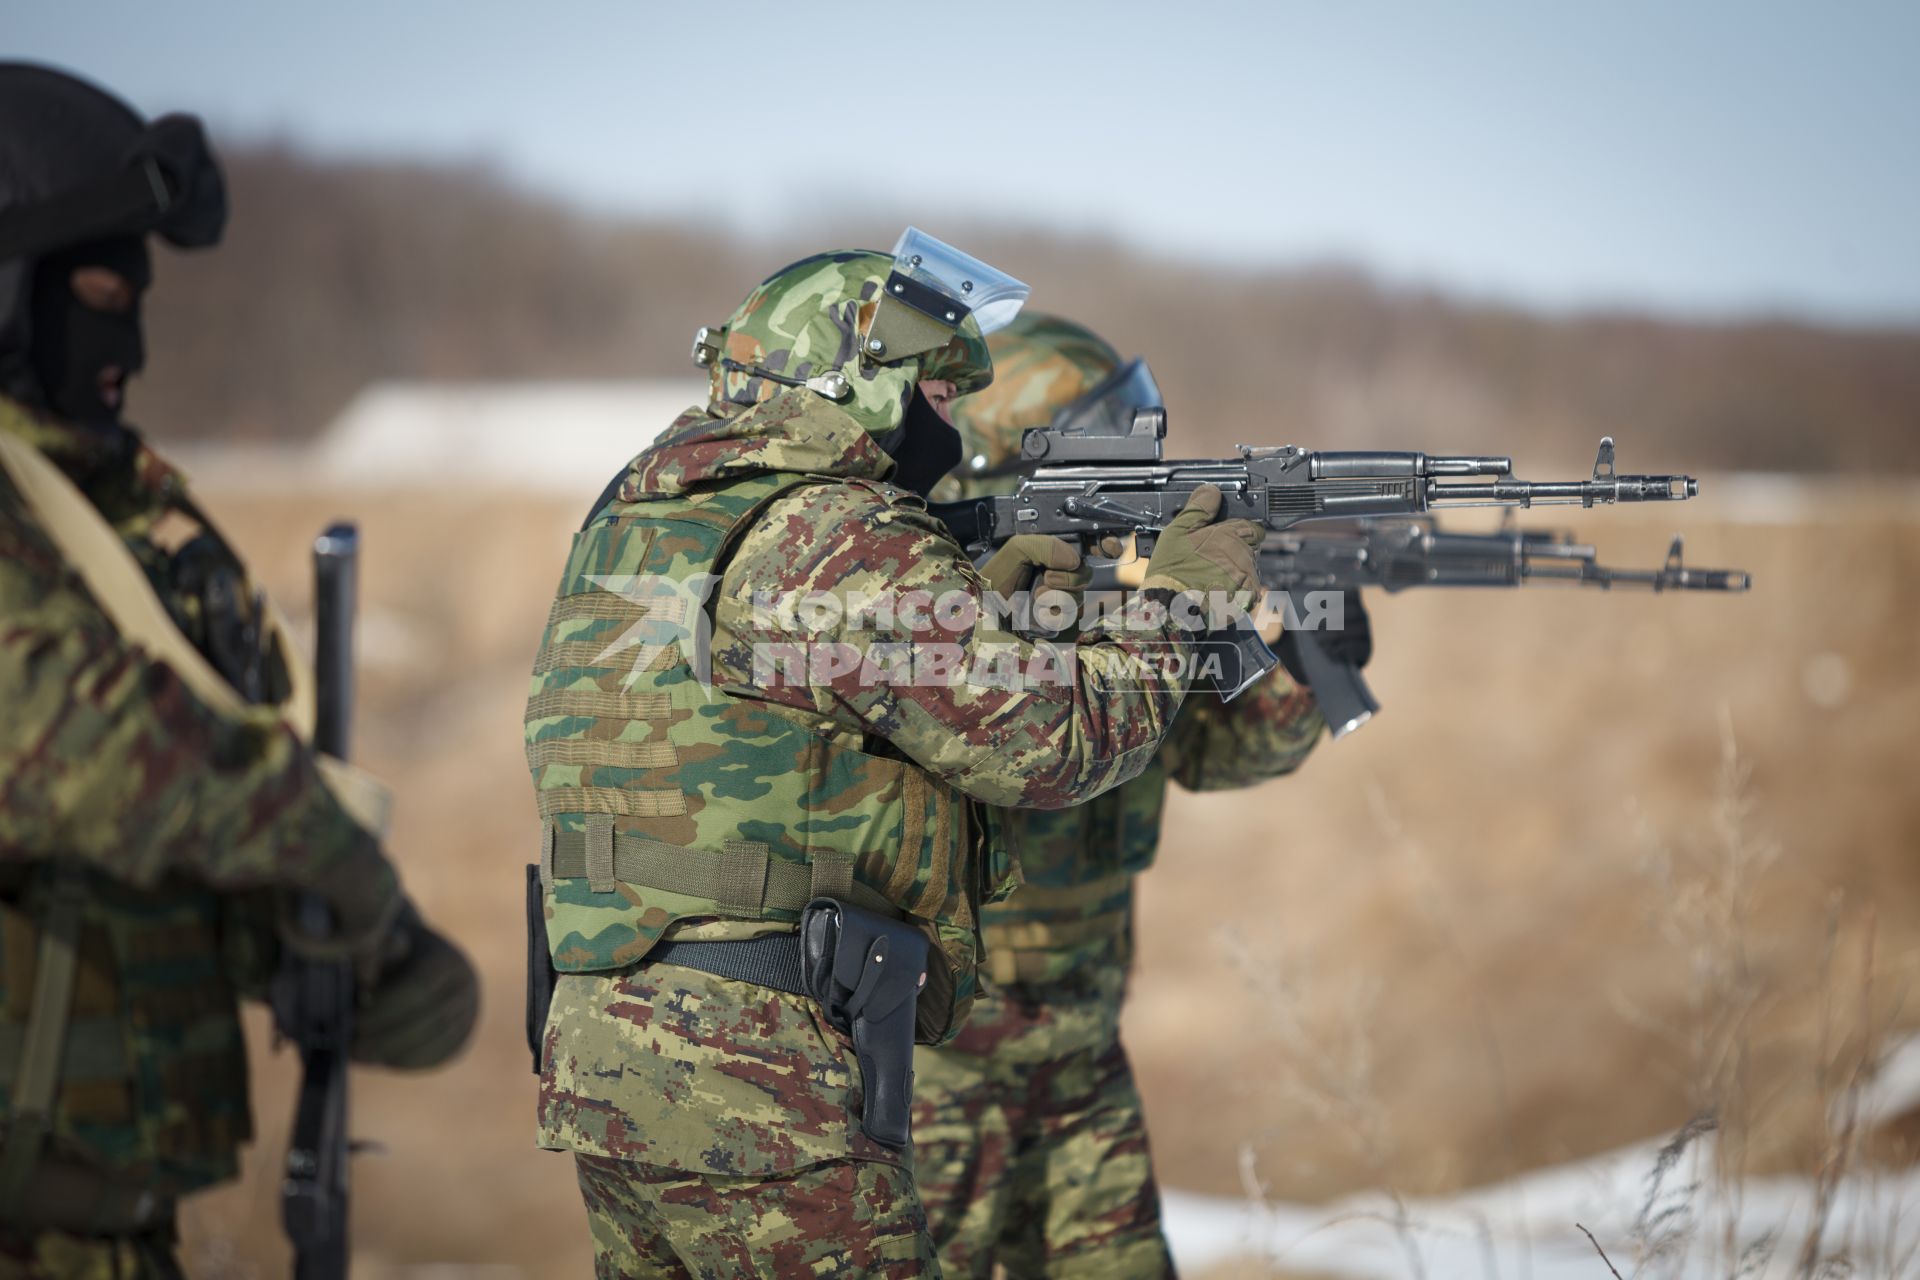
{"x": 1710, "y": 919}
{"x": 1707, "y": 895}
{"x": 1440, "y": 907}
{"x": 1332, "y": 1078}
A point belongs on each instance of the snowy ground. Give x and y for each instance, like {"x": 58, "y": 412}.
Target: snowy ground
{"x": 1529, "y": 1228}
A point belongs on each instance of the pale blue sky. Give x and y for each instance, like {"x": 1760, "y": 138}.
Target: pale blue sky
{"x": 1706, "y": 156}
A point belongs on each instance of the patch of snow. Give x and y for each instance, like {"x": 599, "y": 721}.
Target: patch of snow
{"x": 1529, "y": 1227}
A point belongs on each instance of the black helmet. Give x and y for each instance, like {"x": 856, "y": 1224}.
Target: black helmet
{"x": 79, "y": 166}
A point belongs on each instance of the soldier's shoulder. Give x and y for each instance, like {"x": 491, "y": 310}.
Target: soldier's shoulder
{"x": 827, "y": 509}
{"x": 826, "y": 532}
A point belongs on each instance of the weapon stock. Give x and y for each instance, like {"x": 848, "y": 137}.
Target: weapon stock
{"x": 314, "y": 999}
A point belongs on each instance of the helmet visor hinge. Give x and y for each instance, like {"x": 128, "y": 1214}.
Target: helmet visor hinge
{"x": 706, "y": 344}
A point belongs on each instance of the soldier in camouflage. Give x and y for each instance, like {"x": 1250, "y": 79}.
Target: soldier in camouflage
{"x": 155, "y": 798}
{"x": 708, "y": 761}
{"x": 1030, "y": 1148}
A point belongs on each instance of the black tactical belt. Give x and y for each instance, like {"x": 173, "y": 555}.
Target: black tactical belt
{"x": 770, "y": 961}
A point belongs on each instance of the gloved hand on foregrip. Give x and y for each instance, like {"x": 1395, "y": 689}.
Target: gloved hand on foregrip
{"x": 1195, "y": 553}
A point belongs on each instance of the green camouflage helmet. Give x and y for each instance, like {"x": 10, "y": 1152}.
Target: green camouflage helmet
{"x": 833, "y": 323}
{"x": 1043, "y": 364}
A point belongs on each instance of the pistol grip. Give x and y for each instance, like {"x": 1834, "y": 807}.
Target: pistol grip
{"x": 1338, "y": 689}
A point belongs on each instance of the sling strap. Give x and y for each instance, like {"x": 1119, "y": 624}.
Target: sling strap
{"x": 742, "y": 879}
{"x": 121, "y": 588}
{"x": 96, "y": 1049}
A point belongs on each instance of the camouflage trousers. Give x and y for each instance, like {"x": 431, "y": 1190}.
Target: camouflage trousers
{"x": 55, "y": 1255}
{"x": 1030, "y": 1146}
{"x": 841, "y": 1218}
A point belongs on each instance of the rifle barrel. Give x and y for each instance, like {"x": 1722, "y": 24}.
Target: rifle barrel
{"x": 1548, "y": 493}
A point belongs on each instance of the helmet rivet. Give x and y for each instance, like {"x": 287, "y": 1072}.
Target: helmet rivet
{"x": 916, "y": 259}
{"x": 876, "y": 346}
{"x": 966, "y": 286}
{"x": 898, "y": 287}
{"x": 953, "y": 317}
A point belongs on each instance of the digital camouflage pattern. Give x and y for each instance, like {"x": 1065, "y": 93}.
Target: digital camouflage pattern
{"x": 809, "y": 318}
{"x": 173, "y": 816}
{"x": 681, "y": 1070}
{"x": 1031, "y": 1146}
{"x": 844, "y": 1218}
{"x": 1030, "y": 1149}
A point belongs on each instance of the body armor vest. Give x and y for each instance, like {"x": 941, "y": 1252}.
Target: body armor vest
{"x": 1075, "y": 907}
{"x": 151, "y": 1084}
{"x": 667, "y": 800}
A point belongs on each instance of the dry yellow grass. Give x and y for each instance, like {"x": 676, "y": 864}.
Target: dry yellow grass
{"x": 1476, "y": 857}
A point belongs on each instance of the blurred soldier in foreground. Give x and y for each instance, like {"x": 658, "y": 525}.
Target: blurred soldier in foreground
{"x": 760, "y": 891}
{"x": 156, "y": 801}
{"x": 1030, "y": 1146}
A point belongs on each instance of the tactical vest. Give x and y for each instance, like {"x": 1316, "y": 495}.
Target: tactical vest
{"x": 663, "y": 799}
{"x": 120, "y": 1035}
{"x": 1075, "y": 907}
{"x": 148, "y": 1082}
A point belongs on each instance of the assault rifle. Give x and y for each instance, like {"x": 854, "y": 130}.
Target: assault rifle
{"x": 1094, "y": 479}
{"x": 313, "y": 999}
{"x": 1396, "y": 554}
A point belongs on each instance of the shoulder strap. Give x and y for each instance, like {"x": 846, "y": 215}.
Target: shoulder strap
{"x": 111, "y": 573}
{"x": 122, "y": 590}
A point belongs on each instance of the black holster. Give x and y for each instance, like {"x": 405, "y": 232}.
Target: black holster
{"x": 540, "y": 974}
{"x": 866, "y": 972}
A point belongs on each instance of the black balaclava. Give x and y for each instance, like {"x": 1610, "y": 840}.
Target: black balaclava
{"x": 924, "y": 448}
{"x": 76, "y": 346}
{"x": 83, "y": 181}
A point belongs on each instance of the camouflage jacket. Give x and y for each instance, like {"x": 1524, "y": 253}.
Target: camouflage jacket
{"x": 1074, "y": 911}
{"x": 831, "y": 525}
{"x": 171, "y": 815}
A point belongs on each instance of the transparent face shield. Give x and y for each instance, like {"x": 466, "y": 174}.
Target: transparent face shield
{"x": 992, "y": 296}
{"x": 1108, "y": 409}
{"x": 935, "y": 293}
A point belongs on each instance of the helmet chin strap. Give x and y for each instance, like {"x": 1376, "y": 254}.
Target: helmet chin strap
{"x": 832, "y": 384}
{"x": 924, "y": 447}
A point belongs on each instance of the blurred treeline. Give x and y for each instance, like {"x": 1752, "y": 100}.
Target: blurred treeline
{"x": 335, "y": 274}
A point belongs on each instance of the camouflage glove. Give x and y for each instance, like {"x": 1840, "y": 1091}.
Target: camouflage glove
{"x": 419, "y": 999}
{"x": 1011, "y": 568}
{"x": 1196, "y": 554}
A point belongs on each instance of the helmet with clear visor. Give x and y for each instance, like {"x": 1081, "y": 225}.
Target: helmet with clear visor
{"x": 862, "y": 329}
{"x": 1048, "y": 372}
